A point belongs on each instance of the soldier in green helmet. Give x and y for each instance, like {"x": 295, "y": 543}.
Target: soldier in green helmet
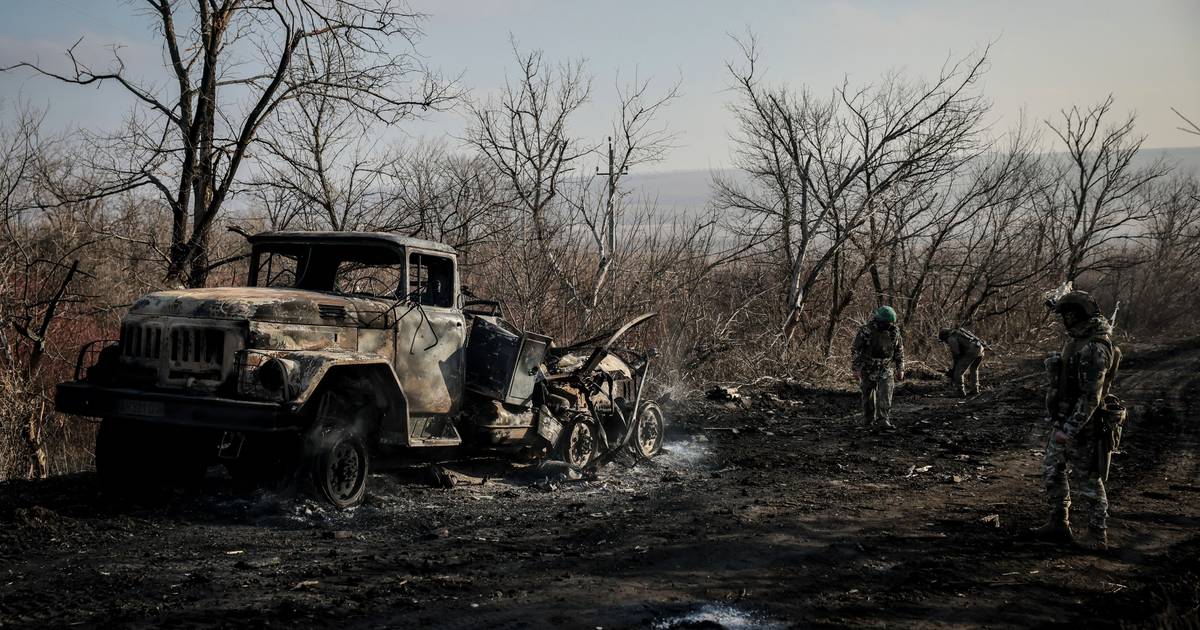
{"x": 877, "y": 354}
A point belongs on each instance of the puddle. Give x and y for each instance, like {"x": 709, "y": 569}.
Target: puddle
{"x": 719, "y": 616}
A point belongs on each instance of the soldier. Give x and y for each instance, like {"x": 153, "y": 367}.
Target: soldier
{"x": 1079, "y": 445}
{"x": 878, "y": 347}
{"x": 966, "y": 354}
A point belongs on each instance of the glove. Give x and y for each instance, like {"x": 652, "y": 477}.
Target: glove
{"x": 1061, "y": 438}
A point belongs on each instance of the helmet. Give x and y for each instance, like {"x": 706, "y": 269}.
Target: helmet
{"x": 884, "y": 314}
{"x": 1081, "y": 300}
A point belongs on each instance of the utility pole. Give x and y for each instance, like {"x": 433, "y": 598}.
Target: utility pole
{"x": 610, "y": 219}
{"x": 608, "y": 228}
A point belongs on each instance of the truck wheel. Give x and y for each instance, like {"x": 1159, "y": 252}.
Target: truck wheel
{"x": 340, "y": 468}
{"x": 338, "y": 461}
{"x": 118, "y": 450}
{"x": 180, "y": 456}
{"x": 647, "y": 440}
{"x": 137, "y": 459}
{"x": 579, "y": 444}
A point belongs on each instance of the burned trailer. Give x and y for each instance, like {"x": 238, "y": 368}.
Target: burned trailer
{"x": 581, "y": 403}
{"x": 341, "y": 348}
{"x": 600, "y": 386}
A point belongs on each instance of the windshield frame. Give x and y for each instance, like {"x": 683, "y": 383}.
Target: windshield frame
{"x": 331, "y": 257}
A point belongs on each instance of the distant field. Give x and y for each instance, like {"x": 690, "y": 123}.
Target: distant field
{"x": 688, "y": 191}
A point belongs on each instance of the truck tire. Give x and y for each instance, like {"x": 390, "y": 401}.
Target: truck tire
{"x": 340, "y": 468}
{"x": 338, "y": 461}
{"x": 139, "y": 459}
{"x": 118, "y": 444}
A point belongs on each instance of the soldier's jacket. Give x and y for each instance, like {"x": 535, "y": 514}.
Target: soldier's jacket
{"x": 1086, "y": 368}
{"x": 873, "y": 348}
{"x": 963, "y": 342}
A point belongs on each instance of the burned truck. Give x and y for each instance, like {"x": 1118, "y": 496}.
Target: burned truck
{"x": 341, "y": 348}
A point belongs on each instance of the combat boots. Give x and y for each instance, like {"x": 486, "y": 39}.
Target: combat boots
{"x": 1056, "y": 529}
{"x": 1095, "y": 539}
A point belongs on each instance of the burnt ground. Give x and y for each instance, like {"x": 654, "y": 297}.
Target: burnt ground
{"x": 784, "y": 514}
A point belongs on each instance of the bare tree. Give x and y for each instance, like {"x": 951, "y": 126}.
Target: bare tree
{"x": 458, "y": 199}
{"x": 39, "y": 272}
{"x": 233, "y": 63}
{"x": 525, "y": 134}
{"x": 1095, "y": 205}
{"x": 821, "y": 169}
{"x": 990, "y": 192}
{"x": 1188, "y": 125}
{"x": 318, "y": 166}
{"x": 1163, "y": 290}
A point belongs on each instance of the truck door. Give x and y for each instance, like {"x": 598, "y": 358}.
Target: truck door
{"x": 429, "y": 341}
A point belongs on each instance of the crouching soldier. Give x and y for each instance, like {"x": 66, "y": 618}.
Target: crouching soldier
{"x": 1086, "y": 421}
{"x": 966, "y": 355}
{"x": 878, "y": 349}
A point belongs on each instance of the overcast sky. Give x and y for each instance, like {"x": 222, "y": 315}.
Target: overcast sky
{"x": 1046, "y": 54}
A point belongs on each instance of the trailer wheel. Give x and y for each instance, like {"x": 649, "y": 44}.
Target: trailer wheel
{"x": 647, "y": 440}
{"x": 579, "y": 444}
{"x": 339, "y": 462}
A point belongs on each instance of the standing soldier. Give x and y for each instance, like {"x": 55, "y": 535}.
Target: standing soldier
{"x": 1084, "y": 431}
{"x": 966, "y": 354}
{"x": 878, "y": 347}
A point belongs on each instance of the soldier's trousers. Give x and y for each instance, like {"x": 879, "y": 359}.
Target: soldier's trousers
{"x": 1076, "y": 460}
{"x": 964, "y": 374}
{"x": 877, "y": 389}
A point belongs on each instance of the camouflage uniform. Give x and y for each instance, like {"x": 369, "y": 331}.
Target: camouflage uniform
{"x": 875, "y": 352}
{"x": 1084, "y": 376}
{"x": 966, "y": 355}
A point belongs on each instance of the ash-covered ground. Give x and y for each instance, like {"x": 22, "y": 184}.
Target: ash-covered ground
{"x": 780, "y": 512}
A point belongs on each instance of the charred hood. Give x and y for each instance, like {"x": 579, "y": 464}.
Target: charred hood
{"x": 284, "y": 306}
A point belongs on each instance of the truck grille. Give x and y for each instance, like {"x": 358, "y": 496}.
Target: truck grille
{"x": 188, "y": 348}
{"x": 141, "y": 341}
{"x": 194, "y": 348}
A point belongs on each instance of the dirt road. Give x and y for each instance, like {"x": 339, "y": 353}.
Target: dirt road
{"x": 784, "y": 514}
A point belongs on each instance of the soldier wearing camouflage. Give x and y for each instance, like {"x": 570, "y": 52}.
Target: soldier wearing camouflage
{"x": 878, "y": 349}
{"x": 966, "y": 355}
{"x": 1081, "y": 377}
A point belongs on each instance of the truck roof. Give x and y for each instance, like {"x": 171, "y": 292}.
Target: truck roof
{"x": 349, "y": 239}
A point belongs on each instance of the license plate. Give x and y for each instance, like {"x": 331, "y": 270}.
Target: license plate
{"x": 143, "y": 408}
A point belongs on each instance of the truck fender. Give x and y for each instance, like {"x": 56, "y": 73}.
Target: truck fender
{"x": 369, "y": 376}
